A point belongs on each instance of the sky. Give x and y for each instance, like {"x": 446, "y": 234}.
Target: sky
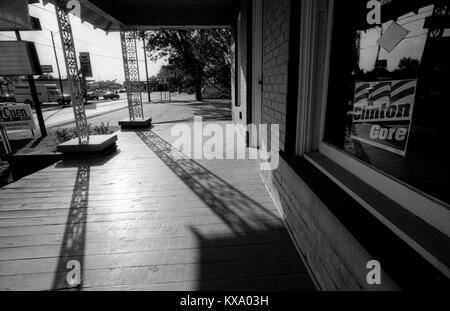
{"x": 105, "y": 49}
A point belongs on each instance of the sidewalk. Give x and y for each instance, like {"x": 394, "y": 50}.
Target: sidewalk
{"x": 155, "y": 109}
{"x": 147, "y": 218}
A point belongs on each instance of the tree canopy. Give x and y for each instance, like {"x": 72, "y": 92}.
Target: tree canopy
{"x": 200, "y": 55}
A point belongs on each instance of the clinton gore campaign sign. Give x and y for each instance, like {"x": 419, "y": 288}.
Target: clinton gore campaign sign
{"x": 382, "y": 113}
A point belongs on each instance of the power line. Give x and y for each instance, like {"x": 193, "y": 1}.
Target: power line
{"x": 41, "y": 35}
{"x": 58, "y": 47}
{"x": 85, "y": 42}
{"x": 76, "y": 39}
{"x": 1, "y": 34}
{"x": 44, "y": 9}
{"x": 88, "y": 43}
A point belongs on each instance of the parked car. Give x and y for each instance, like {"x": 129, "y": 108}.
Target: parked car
{"x": 66, "y": 98}
{"x": 122, "y": 90}
{"x": 95, "y": 95}
{"x": 216, "y": 91}
{"x": 7, "y": 98}
{"x": 111, "y": 95}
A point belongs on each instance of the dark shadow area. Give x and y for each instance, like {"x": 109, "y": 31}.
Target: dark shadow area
{"x": 73, "y": 244}
{"x": 211, "y": 110}
{"x": 258, "y": 254}
{"x": 74, "y": 239}
{"x": 16, "y": 144}
{"x": 256, "y": 261}
{"x": 93, "y": 160}
{"x": 36, "y": 142}
{"x": 173, "y": 101}
{"x": 130, "y": 130}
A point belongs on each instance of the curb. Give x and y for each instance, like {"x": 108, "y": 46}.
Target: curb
{"x": 94, "y": 115}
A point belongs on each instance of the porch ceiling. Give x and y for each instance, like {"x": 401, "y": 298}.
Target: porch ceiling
{"x": 111, "y": 15}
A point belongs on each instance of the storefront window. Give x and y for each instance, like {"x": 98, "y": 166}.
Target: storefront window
{"x": 389, "y": 89}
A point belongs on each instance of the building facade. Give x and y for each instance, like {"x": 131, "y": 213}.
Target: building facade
{"x": 360, "y": 91}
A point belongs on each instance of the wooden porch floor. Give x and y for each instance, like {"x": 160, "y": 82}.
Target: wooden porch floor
{"x": 146, "y": 218}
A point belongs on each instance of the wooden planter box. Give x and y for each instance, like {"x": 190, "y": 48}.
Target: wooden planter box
{"x": 25, "y": 164}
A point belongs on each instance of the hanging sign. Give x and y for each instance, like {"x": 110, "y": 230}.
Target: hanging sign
{"x": 46, "y": 68}
{"x": 382, "y": 113}
{"x": 392, "y": 37}
{"x": 85, "y": 64}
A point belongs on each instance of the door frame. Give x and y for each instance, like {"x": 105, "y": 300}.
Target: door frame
{"x": 257, "y": 68}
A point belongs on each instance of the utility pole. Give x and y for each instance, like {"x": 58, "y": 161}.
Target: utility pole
{"x": 59, "y": 72}
{"x": 146, "y": 67}
{"x": 35, "y": 96}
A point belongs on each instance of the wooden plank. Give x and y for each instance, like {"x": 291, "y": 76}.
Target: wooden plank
{"x": 56, "y": 197}
{"x": 150, "y": 185}
{"x": 129, "y": 205}
{"x": 158, "y": 273}
{"x": 281, "y": 282}
{"x": 95, "y": 259}
{"x": 124, "y": 205}
{"x": 190, "y": 217}
{"x": 127, "y": 225}
{"x": 179, "y": 238}
{"x": 122, "y": 192}
{"x": 157, "y": 210}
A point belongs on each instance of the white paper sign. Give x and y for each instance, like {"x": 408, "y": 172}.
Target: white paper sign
{"x": 392, "y": 37}
{"x": 16, "y": 117}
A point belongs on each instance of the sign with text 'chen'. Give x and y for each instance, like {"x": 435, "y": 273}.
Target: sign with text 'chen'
{"x": 16, "y": 117}
{"x": 382, "y": 114}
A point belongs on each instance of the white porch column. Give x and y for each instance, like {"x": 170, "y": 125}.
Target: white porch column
{"x": 70, "y": 58}
{"x": 131, "y": 70}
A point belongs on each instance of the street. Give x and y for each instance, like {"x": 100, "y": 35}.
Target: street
{"x": 179, "y": 109}
{"x": 182, "y": 107}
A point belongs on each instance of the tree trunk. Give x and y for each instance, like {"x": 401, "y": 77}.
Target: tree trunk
{"x": 198, "y": 90}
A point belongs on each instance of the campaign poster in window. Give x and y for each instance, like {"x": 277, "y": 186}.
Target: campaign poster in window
{"x": 382, "y": 113}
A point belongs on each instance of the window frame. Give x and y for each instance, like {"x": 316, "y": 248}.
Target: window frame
{"x": 311, "y": 117}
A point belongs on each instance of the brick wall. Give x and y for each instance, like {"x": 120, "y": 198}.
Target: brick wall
{"x": 334, "y": 257}
{"x": 324, "y": 263}
{"x": 275, "y": 64}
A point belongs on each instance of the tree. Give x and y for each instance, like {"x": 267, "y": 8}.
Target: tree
{"x": 171, "y": 74}
{"x": 409, "y": 66}
{"x": 7, "y": 81}
{"x": 199, "y": 53}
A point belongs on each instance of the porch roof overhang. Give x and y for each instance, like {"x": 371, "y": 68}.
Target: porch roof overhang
{"x": 113, "y": 15}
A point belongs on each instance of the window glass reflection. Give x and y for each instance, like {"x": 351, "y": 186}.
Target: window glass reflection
{"x": 388, "y": 100}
